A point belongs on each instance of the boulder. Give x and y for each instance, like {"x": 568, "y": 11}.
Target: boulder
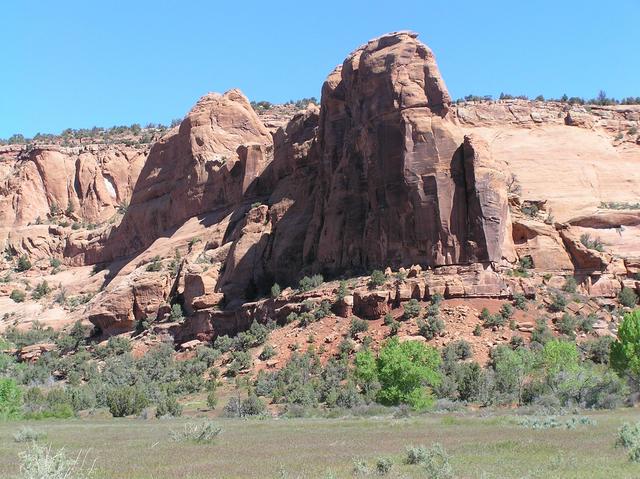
{"x": 605, "y": 286}
{"x": 371, "y": 304}
{"x": 33, "y": 352}
{"x": 542, "y": 243}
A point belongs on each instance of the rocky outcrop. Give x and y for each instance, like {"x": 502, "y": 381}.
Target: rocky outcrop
{"x": 542, "y": 243}
{"x": 571, "y": 156}
{"x": 586, "y": 259}
{"x": 391, "y": 152}
{"x": 206, "y": 165}
{"x": 87, "y": 183}
{"x": 136, "y": 297}
{"x": 392, "y": 186}
{"x": 400, "y": 191}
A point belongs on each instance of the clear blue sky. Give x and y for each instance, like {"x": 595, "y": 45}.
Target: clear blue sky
{"x": 101, "y": 63}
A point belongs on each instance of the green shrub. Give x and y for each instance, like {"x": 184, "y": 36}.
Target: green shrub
{"x": 437, "y": 463}
{"x": 628, "y": 435}
{"x": 628, "y": 297}
{"x": 241, "y": 362}
{"x": 629, "y": 438}
{"x": 251, "y": 406}
{"x": 155, "y": 265}
{"x": 431, "y": 327}
{"x": 56, "y": 403}
{"x": 10, "y": 399}
{"x": 41, "y": 290}
{"x": 28, "y": 434}
{"x": 477, "y": 331}
{"x": 377, "y": 278}
{"x": 625, "y": 351}
{"x": 126, "y": 401}
{"x": 558, "y": 303}
{"x": 458, "y": 350}
{"x": 305, "y": 319}
{"x": 588, "y": 386}
{"x": 598, "y": 350}
{"x": 594, "y": 244}
{"x": 541, "y": 333}
{"x": 199, "y": 433}
{"x": 23, "y": 263}
{"x": 401, "y": 276}
{"x": 17, "y": 296}
{"x": 567, "y": 325}
{"x": 524, "y": 264}
{"x": 506, "y": 311}
{"x": 177, "y": 314}
{"x": 383, "y": 466}
{"x": 493, "y": 320}
{"x": 552, "y": 422}
{"x": 275, "y": 290}
{"x": 360, "y": 467}
{"x": 519, "y": 301}
{"x": 516, "y": 342}
{"x": 406, "y": 372}
{"x": 388, "y": 319}
{"x": 412, "y": 309}
{"x": 55, "y": 263}
{"x": 394, "y": 327}
{"x": 259, "y": 333}
{"x": 116, "y": 346}
{"x": 322, "y": 310}
{"x": 39, "y": 462}
{"x": 267, "y": 353}
{"x": 570, "y": 285}
{"x": 416, "y": 455}
{"x": 346, "y": 347}
{"x": 168, "y": 405}
{"x": 586, "y": 323}
{"x": 308, "y": 283}
{"x": 342, "y": 290}
{"x": 224, "y": 343}
{"x": 357, "y": 325}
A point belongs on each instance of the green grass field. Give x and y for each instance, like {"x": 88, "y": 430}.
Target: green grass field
{"x": 493, "y": 446}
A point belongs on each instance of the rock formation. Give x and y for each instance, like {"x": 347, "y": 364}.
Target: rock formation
{"x": 206, "y": 165}
{"x": 394, "y": 183}
{"x": 387, "y": 172}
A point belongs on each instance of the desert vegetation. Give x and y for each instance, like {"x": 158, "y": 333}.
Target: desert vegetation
{"x": 601, "y": 99}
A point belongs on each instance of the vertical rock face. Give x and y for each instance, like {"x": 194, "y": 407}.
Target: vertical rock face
{"x": 490, "y": 231}
{"x": 393, "y": 188}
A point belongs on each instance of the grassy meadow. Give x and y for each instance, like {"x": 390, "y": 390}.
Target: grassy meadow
{"x": 480, "y": 445}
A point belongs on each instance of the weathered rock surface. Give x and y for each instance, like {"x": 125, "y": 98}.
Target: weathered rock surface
{"x": 542, "y": 243}
{"x": 88, "y": 183}
{"x": 390, "y": 150}
{"x": 388, "y": 172}
{"x": 205, "y": 165}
